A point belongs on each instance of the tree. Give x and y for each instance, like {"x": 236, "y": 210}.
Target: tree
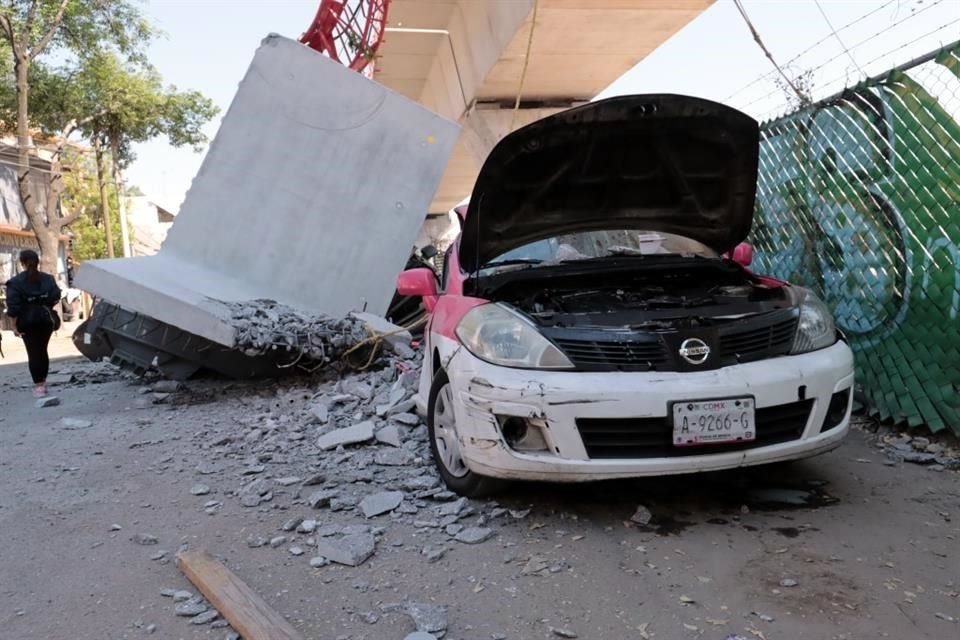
{"x": 131, "y": 105}
{"x": 33, "y": 28}
{"x": 81, "y": 193}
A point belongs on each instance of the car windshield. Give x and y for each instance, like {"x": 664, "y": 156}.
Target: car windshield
{"x": 591, "y": 245}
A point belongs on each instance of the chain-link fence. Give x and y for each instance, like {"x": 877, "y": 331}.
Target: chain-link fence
{"x": 859, "y": 199}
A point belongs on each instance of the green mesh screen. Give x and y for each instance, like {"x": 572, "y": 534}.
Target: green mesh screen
{"x": 859, "y": 199}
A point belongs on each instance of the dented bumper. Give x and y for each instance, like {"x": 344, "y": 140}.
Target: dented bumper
{"x": 560, "y": 402}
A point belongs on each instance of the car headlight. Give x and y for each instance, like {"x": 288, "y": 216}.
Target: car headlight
{"x": 500, "y": 336}
{"x": 816, "y": 329}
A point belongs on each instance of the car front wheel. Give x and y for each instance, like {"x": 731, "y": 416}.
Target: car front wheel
{"x": 445, "y": 444}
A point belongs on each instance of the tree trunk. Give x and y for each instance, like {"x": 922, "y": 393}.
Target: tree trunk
{"x": 46, "y": 238}
{"x": 121, "y": 196}
{"x": 102, "y": 185}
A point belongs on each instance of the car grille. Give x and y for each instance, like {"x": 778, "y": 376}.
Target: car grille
{"x": 619, "y": 356}
{"x": 768, "y": 336}
{"x": 606, "y": 438}
{"x": 758, "y": 343}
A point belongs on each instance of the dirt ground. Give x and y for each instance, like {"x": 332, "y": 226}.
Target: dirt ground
{"x": 848, "y": 545}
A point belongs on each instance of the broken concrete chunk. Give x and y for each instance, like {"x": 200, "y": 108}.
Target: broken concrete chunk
{"x": 74, "y": 424}
{"x": 389, "y": 435}
{"x": 357, "y": 388}
{"x": 474, "y": 535}
{"x": 189, "y": 609}
{"x": 49, "y": 401}
{"x": 288, "y": 481}
{"x": 321, "y": 412}
{"x": 144, "y": 539}
{"x": 453, "y": 508}
{"x": 199, "y": 489}
{"x": 358, "y": 433}
{"x": 395, "y": 338}
{"x": 641, "y": 516}
{"x": 319, "y": 561}
{"x": 291, "y": 524}
{"x": 182, "y": 596}
{"x": 379, "y": 503}
{"x": 321, "y": 498}
{"x": 166, "y": 386}
{"x": 351, "y": 550}
{"x": 428, "y": 618}
{"x": 205, "y": 618}
{"x": 419, "y": 483}
{"x": 394, "y": 458}
{"x": 408, "y": 419}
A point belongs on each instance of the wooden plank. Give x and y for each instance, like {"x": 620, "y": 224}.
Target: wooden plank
{"x": 246, "y": 612}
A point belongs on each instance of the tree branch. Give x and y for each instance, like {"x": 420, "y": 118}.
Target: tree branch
{"x": 66, "y": 221}
{"x": 28, "y": 23}
{"x": 7, "y": 29}
{"x": 51, "y": 30}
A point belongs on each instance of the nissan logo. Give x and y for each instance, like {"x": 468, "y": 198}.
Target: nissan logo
{"x": 694, "y": 351}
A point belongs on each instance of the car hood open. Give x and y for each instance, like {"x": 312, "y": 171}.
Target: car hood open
{"x": 667, "y": 163}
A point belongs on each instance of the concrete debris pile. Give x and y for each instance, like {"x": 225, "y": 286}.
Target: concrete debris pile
{"x": 265, "y": 326}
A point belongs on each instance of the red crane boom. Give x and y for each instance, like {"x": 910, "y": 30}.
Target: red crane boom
{"x": 349, "y": 31}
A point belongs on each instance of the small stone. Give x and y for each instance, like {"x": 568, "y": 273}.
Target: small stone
{"x": 166, "y": 386}
{"x": 115, "y": 527}
{"x": 563, "y": 633}
{"x": 145, "y": 539}
{"x": 453, "y": 529}
{"x": 206, "y": 617}
{"x": 49, "y": 401}
{"x": 219, "y": 624}
{"x": 208, "y": 468}
{"x": 428, "y": 618}
{"x": 318, "y": 561}
{"x": 278, "y": 541}
{"x": 295, "y": 551}
{"x": 474, "y": 535}
{"x": 379, "y": 503}
{"x": 254, "y": 470}
{"x": 358, "y": 433}
{"x": 182, "y": 596}
{"x": 291, "y": 524}
{"x": 169, "y": 593}
{"x": 420, "y": 483}
{"x": 389, "y": 435}
{"x": 433, "y": 554}
{"x": 788, "y": 582}
{"x": 535, "y": 565}
{"x": 370, "y": 617}
{"x": 74, "y": 424}
{"x": 159, "y": 555}
{"x": 255, "y": 542}
{"x": 151, "y": 628}
{"x": 199, "y": 490}
{"x": 408, "y": 419}
{"x": 288, "y": 481}
{"x": 351, "y": 550}
{"x": 764, "y": 617}
{"x": 519, "y": 514}
{"x": 233, "y": 635}
{"x": 314, "y": 480}
{"x": 919, "y": 443}
{"x": 307, "y": 526}
{"x": 189, "y": 609}
{"x": 641, "y": 516}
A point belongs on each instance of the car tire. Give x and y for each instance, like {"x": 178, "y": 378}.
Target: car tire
{"x": 445, "y": 446}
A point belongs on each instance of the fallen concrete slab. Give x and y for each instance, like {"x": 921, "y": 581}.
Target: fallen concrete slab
{"x": 312, "y": 195}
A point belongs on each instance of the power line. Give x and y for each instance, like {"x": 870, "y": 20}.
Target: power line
{"x": 756, "y": 37}
{"x": 861, "y": 43}
{"x": 837, "y": 36}
{"x": 809, "y": 49}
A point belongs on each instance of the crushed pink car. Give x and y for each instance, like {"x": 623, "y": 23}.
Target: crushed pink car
{"x": 596, "y": 317}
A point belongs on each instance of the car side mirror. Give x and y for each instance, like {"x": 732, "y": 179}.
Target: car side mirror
{"x": 428, "y": 251}
{"x": 743, "y": 254}
{"x": 420, "y": 282}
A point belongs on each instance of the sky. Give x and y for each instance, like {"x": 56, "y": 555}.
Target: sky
{"x": 208, "y": 45}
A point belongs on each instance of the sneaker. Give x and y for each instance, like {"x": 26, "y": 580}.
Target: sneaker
{"x": 40, "y": 391}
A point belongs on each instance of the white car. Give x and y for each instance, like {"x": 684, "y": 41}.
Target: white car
{"x": 596, "y": 317}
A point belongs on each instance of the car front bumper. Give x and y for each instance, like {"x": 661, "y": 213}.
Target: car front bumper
{"x": 485, "y": 394}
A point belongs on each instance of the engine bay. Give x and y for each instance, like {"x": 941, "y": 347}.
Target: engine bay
{"x": 645, "y": 294}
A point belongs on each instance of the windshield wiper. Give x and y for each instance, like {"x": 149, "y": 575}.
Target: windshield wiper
{"x": 514, "y": 261}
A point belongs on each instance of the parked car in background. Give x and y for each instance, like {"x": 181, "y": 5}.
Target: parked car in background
{"x": 597, "y": 318}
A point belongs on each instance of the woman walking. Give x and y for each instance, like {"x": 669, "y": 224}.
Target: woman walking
{"x": 31, "y": 297}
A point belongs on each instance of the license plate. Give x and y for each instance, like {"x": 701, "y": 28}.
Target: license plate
{"x": 713, "y": 421}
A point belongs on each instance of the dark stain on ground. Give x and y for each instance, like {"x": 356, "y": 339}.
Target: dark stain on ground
{"x": 719, "y": 521}
{"x": 787, "y": 532}
{"x": 669, "y": 526}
